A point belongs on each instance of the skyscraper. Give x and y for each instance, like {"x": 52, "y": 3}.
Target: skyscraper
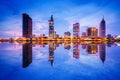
{"x": 76, "y": 30}
{"x": 27, "y": 26}
{"x": 92, "y": 32}
{"x": 51, "y": 27}
{"x": 102, "y": 28}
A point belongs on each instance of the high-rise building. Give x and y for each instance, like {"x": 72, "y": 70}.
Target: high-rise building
{"x": 51, "y": 27}
{"x": 102, "y": 28}
{"x": 92, "y": 32}
{"x": 76, "y": 30}
{"x": 27, "y": 26}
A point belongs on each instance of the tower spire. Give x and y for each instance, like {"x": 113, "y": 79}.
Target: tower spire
{"x": 51, "y": 18}
{"x": 103, "y": 20}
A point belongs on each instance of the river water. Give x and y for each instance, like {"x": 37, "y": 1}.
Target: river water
{"x": 64, "y": 61}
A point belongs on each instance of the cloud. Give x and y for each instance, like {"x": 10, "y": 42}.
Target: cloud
{"x": 90, "y": 15}
{"x": 40, "y": 27}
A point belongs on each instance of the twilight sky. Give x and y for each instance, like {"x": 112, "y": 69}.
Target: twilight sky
{"x": 88, "y": 13}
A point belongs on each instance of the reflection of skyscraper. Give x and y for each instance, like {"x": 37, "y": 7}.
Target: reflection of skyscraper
{"x": 27, "y": 26}
{"x": 51, "y": 27}
{"x": 27, "y": 54}
{"x": 92, "y": 48}
{"x": 102, "y": 28}
{"x": 83, "y": 46}
{"x": 67, "y": 46}
{"x": 76, "y": 51}
{"x": 76, "y": 30}
{"x": 52, "y": 47}
{"x": 92, "y": 32}
{"x": 102, "y": 52}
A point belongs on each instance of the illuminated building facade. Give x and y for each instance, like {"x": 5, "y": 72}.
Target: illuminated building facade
{"x": 51, "y": 27}
{"x": 76, "y": 30}
{"x": 92, "y": 48}
{"x": 102, "y": 28}
{"x": 27, "y": 26}
{"x": 52, "y": 47}
{"x": 92, "y": 32}
{"x": 76, "y": 51}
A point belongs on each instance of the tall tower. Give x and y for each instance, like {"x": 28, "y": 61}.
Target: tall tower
{"x": 27, "y": 26}
{"x": 51, "y": 27}
{"x": 102, "y": 28}
{"x": 76, "y": 30}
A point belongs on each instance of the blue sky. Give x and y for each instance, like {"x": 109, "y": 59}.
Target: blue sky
{"x": 66, "y": 12}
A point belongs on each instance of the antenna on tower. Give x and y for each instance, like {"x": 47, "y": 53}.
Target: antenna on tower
{"x": 103, "y": 17}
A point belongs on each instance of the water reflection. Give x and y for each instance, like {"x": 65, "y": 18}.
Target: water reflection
{"x": 89, "y": 47}
{"x": 76, "y": 51}
{"x": 52, "y": 47}
{"x": 27, "y": 54}
{"x": 102, "y": 52}
{"x": 33, "y": 60}
{"x": 92, "y": 48}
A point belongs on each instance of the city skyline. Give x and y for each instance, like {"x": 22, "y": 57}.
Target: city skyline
{"x": 11, "y": 21}
{"x": 91, "y": 32}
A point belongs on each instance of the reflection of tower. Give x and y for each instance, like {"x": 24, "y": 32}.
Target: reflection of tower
{"x": 27, "y": 54}
{"x": 102, "y": 52}
{"x": 27, "y": 26}
{"x": 102, "y": 28}
{"x": 76, "y": 30}
{"x": 76, "y": 51}
{"x": 51, "y": 27}
{"x": 92, "y": 48}
{"x": 52, "y": 47}
{"x": 83, "y": 46}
